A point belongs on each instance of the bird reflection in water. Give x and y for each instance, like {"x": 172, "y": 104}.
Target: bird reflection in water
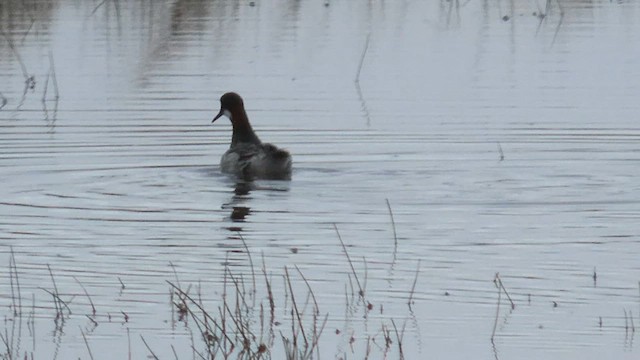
{"x": 238, "y": 204}
{"x": 238, "y": 211}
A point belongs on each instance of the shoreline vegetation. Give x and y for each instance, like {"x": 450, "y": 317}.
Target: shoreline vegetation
{"x": 248, "y": 319}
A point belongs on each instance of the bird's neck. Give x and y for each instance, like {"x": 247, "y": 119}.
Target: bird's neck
{"x": 242, "y": 130}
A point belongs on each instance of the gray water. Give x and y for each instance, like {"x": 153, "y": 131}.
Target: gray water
{"x": 504, "y": 141}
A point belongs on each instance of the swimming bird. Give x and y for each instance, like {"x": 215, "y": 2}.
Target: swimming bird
{"x": 249, "y": 158}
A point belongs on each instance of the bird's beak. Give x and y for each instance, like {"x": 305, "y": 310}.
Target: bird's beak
{"x": 224, "y": 112}
{"x": 218, "y": 116}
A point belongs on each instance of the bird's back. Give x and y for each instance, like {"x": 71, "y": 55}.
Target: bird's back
{"x": 262, "y": 161}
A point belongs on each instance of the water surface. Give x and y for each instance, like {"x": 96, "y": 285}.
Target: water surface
{"x": 504, "y": 141}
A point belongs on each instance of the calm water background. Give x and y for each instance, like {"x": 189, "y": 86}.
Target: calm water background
{"x": 503, "y": 144}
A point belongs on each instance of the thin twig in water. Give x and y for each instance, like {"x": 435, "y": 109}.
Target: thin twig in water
{"x": 56, "y": 298}
{"x": 366, "y": 273}
{"x": 365, "y": 109}
{"x": 52, "y": 69}
{"x": 413, "y": 287}
{"x": 175, "y": 354}
{"x": 93, "y": 308}
{"x": 399, "y": 338}
{"x": 29, "y": 80}
{"x": 33, "y": 21}
{"x": 129, "y": 342}
{"x": 495, "y": 322}
{"x": 364, "y": 54}
{"x": 313, "y": 296}
{"x": 46, "y": 86}
{"x": 393, "y": 224}
{"x": 253, "y": 273}
{"x": 626, "y": 322}
{"x": 8, "y": 347}
{"x": 33, "y": 321}
{"x": 272, "y": 305}
{"x": 316, "y": 337}
{"x": 199, "y": 306}
{"x": 555, "y": 34}
{"x": 3, "y": 101}
{"x": 295, "y": 308}
{"x": 86, "y": 343}
{"x": 175, "y": 273}
{"x": 98, "y": 6}
{"x": 513, "y": 306}
{"x": 344, "y": 248}
{"x": 148, "y": 348}
{"x": 500, "y": 152}
{"x": 95, "y": 323}
{"x": 16, "y": 310}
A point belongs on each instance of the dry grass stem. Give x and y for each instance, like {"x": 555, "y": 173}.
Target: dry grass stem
{"x": 495, "y": 322}
{"x": 253, "y": 273}
{"x": 501, "y": 285}
{"x": 353, "y": 270}
{"x": 399, "y": 337}
{"x": 87, "y": 344}
{"x": 413, "y": 286}
{"x": 93, "y": 308}
{"x": 393, "y": 224}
